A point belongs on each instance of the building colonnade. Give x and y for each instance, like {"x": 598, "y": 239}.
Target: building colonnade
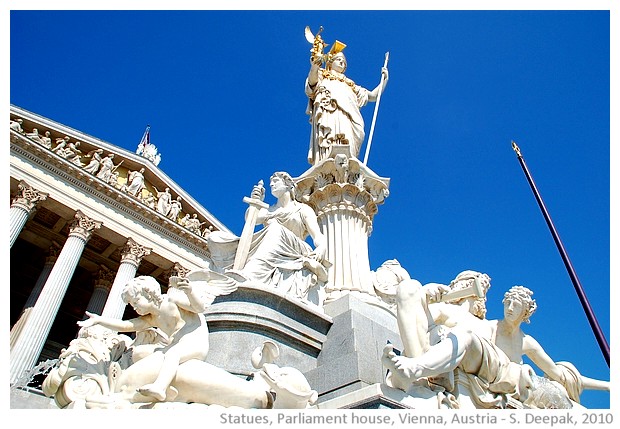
{"x": 29, "y": 333}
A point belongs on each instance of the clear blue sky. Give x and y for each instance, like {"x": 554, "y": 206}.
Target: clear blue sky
{"x": 223, "y": 92}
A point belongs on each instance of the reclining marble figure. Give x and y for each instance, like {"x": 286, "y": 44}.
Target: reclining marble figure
{"x": 489, "y": 352}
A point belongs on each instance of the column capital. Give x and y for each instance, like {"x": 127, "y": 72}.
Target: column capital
{"x": 133, "y": 252}
{"x": 52, "y": 253}
{"x": 27, "y": 197}
{"x": 83, "y": 226}
{"x": 176, "y": 270}
{"x": 342, "y": 180}
{"x": 104, "y": 279}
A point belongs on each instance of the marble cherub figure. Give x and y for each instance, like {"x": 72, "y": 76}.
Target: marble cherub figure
{"x": 178, "y": 314}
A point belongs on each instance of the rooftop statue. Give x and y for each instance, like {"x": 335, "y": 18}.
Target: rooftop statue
{"x": 194, "y": 224}
{"x": 107, "y": 167}
{"x": 46, "y": 140}
{"x": 61, "y": 143}
{"x": 164, "y": 199}
{"x": 441, "y": 334}
{"x": 147, "y": 149}
{"x": 334, "y": 100}
{"x": 277, "y": 255}
{"x": 175, "y": 209}
{"x": 149, "y": 200}
{"x": 34, "y": 135}
{"x": 135, "y": 182}
{"x": 95, "y": 161}
{"x": 72, "y": 153}
{"x": 16, "y": 125}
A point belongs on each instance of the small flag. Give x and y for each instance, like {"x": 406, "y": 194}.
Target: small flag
{"x": 146, "y": 140}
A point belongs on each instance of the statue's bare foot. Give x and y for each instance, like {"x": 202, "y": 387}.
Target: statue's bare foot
{"x": 152, "y": 391}
{"x": 394, "y": 378}
{"x": 405, "y": 370}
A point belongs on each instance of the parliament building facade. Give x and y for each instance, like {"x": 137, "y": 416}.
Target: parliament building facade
{"x": 78, "y": 234}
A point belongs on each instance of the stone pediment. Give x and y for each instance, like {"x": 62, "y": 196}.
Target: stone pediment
{"x": 36, "y": 129}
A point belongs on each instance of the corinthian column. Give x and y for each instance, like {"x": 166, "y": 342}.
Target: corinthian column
{"x": 131, "y": 257}
{"x": 28, "y": 346}
{"x": 21, "y": 208}
{"x": 344, "y": 194}
{"x": 50, "y": 260}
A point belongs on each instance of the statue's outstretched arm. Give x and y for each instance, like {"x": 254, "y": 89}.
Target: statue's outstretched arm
{"x": 533, "y": 350}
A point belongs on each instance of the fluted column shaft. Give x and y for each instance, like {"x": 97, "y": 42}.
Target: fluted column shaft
{"x": 98, "y": 299}
{"x": 346, "y": 227}
{"x": 344, "y": 194}
{"x": 21, "y": 208}
{"x": 28, "y": 346}
{"x": 101, "y": 291}
{"x": 34, "y": 295}
{"x": 130, "y": 261}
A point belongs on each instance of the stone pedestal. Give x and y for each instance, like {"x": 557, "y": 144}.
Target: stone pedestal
{"x": 350, "y": 359}
{"x": 243, "y": 320}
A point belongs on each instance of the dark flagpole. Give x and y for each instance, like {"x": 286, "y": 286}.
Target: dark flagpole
{"x": 600, "y": 337}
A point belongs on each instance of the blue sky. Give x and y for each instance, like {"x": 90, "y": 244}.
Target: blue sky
{"x": 223, "y": 92}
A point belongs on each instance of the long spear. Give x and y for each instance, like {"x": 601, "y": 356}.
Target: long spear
{"x": 598, "y": 333}
{"x": 374, "y": 116}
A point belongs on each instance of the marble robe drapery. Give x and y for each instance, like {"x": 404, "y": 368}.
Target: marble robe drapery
{"x": 334, "y": 108}
{"x": 278, "y": 254}
{"x": 496, "y": 377}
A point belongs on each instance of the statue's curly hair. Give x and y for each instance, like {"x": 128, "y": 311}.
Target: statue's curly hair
{"x": 288, "y": 181}
{"x": 146, "y": 286}
{"x": 524, "y": 296}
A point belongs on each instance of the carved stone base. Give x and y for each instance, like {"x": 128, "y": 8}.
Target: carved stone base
{"x": 243, "y": 320}
{"x": 351, "y": 356}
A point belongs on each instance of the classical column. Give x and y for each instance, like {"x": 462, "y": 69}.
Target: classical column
{"x": 131, "y": 256}
{"x": 101, "y": 290}
{"x": 21, "y": 208}
{"x": 50, "y": 260}
{"x": 28, "y": 346}
{"x": 344, "y": 194}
